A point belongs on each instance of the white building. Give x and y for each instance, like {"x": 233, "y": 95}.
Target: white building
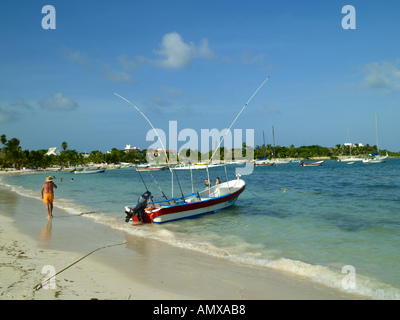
{"x": 53, "y": 151}
{"x": 128, "y": 148}
{"x": 347, "y": 144}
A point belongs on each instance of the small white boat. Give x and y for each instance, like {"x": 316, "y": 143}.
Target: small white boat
{"x": 89, "y": 171}
{"x": 351, "y": 159}
{"x": 151, "y": 168}
{"x": 279, "y": 161}
{"x": 312, "y": 164}
{"x": 197, "y": 166}
{"x": 376, "y": 159}
{"x": 264, "y": 163}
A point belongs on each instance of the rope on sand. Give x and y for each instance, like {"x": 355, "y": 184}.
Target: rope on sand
{"x": 40, "y": 285}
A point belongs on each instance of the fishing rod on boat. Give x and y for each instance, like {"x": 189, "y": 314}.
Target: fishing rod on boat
{"x": 142, "y": 180}
{"x": 159, "y": 139}
{"x": 237, "y": 118}
{"x": 177, "y": 179}
{"x": 151, "y": 197}
{"x": 163, "y": 194}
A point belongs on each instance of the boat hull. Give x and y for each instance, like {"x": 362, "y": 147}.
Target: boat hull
{"x": 351, "y": 159}
{"x": 157, "y": 168}
{"x": 374, "y": 160}
{"x": 208, "y": 204}
{"x": 90, "y": 171}
{"x": 264, "y": 163}
{"x": 313, "y": 164}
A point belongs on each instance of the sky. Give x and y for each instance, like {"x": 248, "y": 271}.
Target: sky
{"x": 198, "y": 63}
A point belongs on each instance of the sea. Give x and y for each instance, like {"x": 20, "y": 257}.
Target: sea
{"x": 335, "y": 224}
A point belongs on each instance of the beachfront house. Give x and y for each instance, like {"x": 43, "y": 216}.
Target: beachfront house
{"x": 53, "y": 151}
{"x": 128, "y": 148}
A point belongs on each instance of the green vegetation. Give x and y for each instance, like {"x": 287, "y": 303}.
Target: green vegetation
{"x": 11, "y": 154}
{"x": 305, "y": 152}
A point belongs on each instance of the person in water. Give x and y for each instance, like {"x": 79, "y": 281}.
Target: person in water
{"x": 48, "y": 195}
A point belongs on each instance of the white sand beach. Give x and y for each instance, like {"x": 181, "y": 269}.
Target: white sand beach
{"x": 139, "y": 269}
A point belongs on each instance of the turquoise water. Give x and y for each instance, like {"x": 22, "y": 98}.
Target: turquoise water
{"x": 311, "y": 221}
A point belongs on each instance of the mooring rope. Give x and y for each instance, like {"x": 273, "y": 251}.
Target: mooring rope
{"x": 40, "y": 285}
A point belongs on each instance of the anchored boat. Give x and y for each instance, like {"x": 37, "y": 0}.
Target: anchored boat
{"x": 306, "y": 164}
{"x": 214, "y": 199}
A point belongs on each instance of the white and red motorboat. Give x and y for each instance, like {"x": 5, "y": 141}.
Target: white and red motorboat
{"x": 311, "y": 164}
{"x": 214, "y": 199}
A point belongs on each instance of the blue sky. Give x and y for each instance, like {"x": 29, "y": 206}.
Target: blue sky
{"x": 197, "y": 63}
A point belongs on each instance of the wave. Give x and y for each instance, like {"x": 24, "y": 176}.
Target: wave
{"x": 364, "y": 286}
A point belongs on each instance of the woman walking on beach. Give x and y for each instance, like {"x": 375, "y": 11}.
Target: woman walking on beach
{"x": 48, "y": 195}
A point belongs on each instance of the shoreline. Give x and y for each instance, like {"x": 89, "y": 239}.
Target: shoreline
{"x": 141, "y": 269}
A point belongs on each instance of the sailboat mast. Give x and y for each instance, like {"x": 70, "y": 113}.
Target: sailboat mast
{"x": 377, "y": 137}
{"x": 265, "y": 152}
{"x": 348, "y": 134}
{"x": 273, "y": 139}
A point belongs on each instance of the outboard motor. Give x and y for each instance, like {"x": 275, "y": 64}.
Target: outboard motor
{"x": 143, "y": 201}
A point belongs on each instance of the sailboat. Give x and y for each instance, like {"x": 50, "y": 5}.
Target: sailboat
{"x": 351, "y": 159}
{"x": 376, "y": 157}
{"x": 264, "y": 161}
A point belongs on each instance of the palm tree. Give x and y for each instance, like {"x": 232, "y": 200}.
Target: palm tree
{"x": 13, "y": 152}
{"x": 3, "y": 139}
{"x": 64, "y": 145}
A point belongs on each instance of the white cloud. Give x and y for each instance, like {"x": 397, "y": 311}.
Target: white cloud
{"x": 116, "y": 76}
{"x": 177, "y": 54}
{"x": 7, "y": 116}
{"x": 76, "y": 56}
{"x": 21, "y": 103}
{"x": 58, "y": 102}
{"x": 384, "y": 76}
{"x": 103, "y": 69}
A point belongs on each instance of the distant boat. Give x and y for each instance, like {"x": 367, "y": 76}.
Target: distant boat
{"x": 264, "y": 161}
{"x": 197, "y": 166}
{"x": 151, "y": 168}
{"x": 351, "y": 159}
{"x": 89, "y": 171}
{"x": 318, "y": 163}
{"x": 376, "y": 157}
{"x": 282, "y": 161}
